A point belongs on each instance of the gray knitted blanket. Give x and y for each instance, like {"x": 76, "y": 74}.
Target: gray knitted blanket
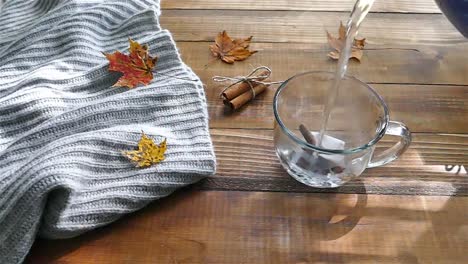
{"x": 63, "y": 127}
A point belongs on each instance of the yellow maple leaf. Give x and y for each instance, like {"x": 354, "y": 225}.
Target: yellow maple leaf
{"x": 148, "y": 153}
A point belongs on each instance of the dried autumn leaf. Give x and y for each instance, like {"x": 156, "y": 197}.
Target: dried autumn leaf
{"x": 229, "y": 50}
{"x": 359, "y": 43}
{"x": 148, "y": 152}
{"x": 136, "y": 67}
{"x": 338, "y": 44}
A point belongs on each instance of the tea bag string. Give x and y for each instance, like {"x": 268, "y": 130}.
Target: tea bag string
{"x": 253, "y": 77}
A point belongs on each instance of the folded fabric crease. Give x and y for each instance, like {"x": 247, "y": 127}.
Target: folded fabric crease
{"x": 63, "y": 126}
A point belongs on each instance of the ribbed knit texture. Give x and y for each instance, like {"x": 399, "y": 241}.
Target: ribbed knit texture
{"x": 63, "y": 127}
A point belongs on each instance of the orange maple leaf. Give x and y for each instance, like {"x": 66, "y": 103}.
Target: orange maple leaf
{"x": 229, "y": 50}
{"x": 338, "y": 44}
{"x": 136, "y": 67}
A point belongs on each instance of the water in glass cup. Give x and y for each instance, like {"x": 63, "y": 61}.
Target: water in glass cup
{"x": 348, "y": 115}
{"x": 358, "y": 120}
{"x": 320, "y": 170}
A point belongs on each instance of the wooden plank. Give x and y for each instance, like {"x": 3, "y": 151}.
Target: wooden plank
{"x": 259, "y": 227}
{"x": 425, "y": 108}
{"x": 400, "y": 6}
{"x": 380, "y": 64}
{"x": 307, "y": 27}
{"x": 433, "y": 165}
{"x": 438, "y": 109}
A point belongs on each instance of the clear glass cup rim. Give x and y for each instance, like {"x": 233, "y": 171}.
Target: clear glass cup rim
{"x": 291, "y": 135}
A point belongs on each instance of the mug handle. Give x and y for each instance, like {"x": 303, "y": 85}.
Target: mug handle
{"x": 394, "y": 129}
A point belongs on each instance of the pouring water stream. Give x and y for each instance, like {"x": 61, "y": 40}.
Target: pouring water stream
{"x": 359, "y": 12}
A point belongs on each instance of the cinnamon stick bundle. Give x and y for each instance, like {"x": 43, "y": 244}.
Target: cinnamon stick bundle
{"x": 242, "y": 87}
{"x": 245, "y": 97}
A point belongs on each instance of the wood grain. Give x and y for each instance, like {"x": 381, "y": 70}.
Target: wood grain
{"x": 409, "y": 64}
{"x": 400, "y": 6}
{"x": 417, "y": 62}
{"x": 307, "y": 27}
{"x": 425, "y": 108}
{"x": 433, "y": 165}
{"x": 259, "y": 227}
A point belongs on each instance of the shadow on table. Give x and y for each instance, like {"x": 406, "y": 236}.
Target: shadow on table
{"x": 438, "y": 235}
{"x": 445, "y": 232}
{"x": 442, "y": 239}
{"x": 329, "y": 217}
{"x": 50, "y": 251}
{"x": 45, "y": 251}
{"x": 343, "y": 213}
{"x": 305, "y": 221}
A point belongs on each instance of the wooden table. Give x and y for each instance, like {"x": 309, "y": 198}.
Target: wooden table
{"x": 414, "y": 210}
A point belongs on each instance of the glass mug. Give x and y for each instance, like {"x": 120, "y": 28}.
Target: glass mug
{"x": 358, "y": 120}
